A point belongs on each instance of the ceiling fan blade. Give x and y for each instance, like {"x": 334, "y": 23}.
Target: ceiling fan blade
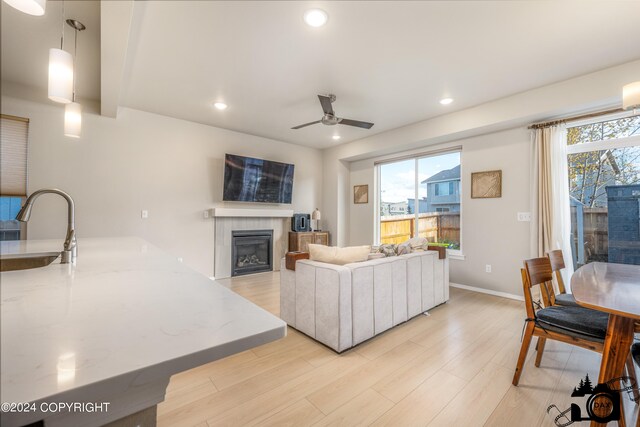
{"x": 356, "y": 123}
{"x": 306, "y": 124}
{"x": 325, "y": 101}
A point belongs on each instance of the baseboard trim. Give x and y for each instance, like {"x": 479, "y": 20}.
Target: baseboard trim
{"x": 486, "y": 291}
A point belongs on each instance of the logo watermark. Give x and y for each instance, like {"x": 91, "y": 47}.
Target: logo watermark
{"x": 602, "y": 401}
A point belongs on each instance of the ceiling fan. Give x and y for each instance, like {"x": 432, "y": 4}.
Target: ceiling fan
{"x": 329, "y": 118}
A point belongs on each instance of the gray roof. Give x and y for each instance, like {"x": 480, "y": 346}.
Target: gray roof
{"x": 446, "y": 175}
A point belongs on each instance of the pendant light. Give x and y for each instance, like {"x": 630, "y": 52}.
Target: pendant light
{"x": 60, "y": 71}
{"x": 631, "y": 96}
{"x": 73, "y": 110}
{"x": 30, "y": 7}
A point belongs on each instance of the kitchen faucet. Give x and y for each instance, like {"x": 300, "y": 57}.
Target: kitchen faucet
{"x": 70, "y": 250}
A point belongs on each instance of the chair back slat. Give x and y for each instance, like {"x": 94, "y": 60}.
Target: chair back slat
{"x": 557, "y": 263}
{"x": 528, "y": 299}
{"x": 539, "y": 273}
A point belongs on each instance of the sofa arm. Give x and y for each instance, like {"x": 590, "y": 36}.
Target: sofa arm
{"x": 323, "y": 303}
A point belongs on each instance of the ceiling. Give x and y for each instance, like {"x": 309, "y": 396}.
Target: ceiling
{"x": 388, "y": 62}
{"x": 26, "y": 41}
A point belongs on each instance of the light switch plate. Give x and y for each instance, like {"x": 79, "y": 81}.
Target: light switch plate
{"x": 524, "y": 216}
{"x": 144, "y": 214}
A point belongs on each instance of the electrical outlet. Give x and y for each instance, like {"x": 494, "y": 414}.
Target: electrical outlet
{"x": 524, "y": 216}
{"x": 180, "y": 259}
{"x": 144, "y": 214}
{"x": 205, "y": 214}
{"x": 487, "y": 268}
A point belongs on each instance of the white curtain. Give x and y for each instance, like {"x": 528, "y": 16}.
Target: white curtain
{"x": 551, "y": 219}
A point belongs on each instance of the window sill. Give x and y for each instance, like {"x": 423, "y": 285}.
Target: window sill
{"x": 455, "y": 254}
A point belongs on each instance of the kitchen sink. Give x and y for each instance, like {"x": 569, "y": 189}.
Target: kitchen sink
{"x": 26, "y": 261}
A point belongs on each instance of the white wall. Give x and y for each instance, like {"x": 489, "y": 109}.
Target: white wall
{"x": 342, "y": 168}
{"x": 491, "y": 233}
{"x": 173, "y": 168}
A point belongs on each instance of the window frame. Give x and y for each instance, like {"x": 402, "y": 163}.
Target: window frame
{"x": 452, "y": 253}
{"x": 596, "y": 146}
{"x": 23, "y": 198}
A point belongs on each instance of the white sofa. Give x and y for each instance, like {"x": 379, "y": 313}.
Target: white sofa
{"x": 342, "y": 306}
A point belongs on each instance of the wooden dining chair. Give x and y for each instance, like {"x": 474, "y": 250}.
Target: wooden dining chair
{"x": 557, "y": 265}
{"x": 577, "y": 326}
{"x": 572, "y": 325}
{"x": 563, "y": 298}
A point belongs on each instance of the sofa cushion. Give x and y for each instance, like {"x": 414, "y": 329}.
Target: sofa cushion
{"x": 375, "y": 256}
{"x": 338, "y": 256}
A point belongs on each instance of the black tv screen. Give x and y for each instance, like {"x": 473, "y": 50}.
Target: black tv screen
{"x": 255, "y": 180}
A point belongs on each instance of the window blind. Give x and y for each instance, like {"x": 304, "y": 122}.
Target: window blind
{"x": 13, "y": 156}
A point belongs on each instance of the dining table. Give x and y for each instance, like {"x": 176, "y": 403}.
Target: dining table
{"x": 614, "y": 289}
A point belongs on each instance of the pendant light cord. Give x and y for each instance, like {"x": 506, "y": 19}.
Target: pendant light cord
{"x": 62, "y": 34}
{"x": 75, "y": 63}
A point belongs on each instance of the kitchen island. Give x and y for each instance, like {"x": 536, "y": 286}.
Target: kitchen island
{"x": 112, "y": 328}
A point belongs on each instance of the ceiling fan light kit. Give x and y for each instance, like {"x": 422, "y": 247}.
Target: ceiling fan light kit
{"x": 329, "y": 118}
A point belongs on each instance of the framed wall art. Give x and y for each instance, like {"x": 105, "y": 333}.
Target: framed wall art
{"x": 486, "y": 185}
{"x": 360, "y": 194}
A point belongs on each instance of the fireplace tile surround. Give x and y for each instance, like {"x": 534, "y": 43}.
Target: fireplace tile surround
{"x": 226, "y": 225}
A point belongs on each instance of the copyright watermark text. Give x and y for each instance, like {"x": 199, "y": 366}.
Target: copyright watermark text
{"x": 55, "y": 407}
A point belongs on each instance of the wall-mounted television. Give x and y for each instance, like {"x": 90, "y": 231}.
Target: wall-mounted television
{"x": 256, "y": 180}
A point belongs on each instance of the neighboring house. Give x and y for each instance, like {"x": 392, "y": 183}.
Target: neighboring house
{"x": 443, "y": 191}
{"x": 423, "y": 205}
{"x": 394, "y": 208}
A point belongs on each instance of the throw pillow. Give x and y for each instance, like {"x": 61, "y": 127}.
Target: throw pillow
{"x": 416, "y": 242}
{"x": 388, "y": 249}
{"x": 404, "y": 248}
{"x": 338, "y": 256}
{"x": 375, "y": 256}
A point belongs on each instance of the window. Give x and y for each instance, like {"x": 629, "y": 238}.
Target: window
{"x": 604, "y": 190}
{"x": 445, "y": 188}
{"x": 420, "y": 196}
{"x": 13, "y": 175}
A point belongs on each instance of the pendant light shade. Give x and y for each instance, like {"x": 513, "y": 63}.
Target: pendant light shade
{"x": 30, "y": 7}
{"x": 631, "y": 96}
{"x": 60, "y": 76}
{"x": 73, "y": 120}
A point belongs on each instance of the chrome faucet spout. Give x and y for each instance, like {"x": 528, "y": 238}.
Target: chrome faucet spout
{"x": 70, "y": 250}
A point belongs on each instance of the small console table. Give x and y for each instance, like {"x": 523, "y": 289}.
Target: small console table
{"x": 299, "y": 241}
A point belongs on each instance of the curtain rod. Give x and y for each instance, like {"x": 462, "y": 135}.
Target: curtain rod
{"x": 574, "y": 118}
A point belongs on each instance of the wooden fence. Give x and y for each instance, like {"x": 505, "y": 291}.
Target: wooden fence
{"x": 589, "y": 234}
{"x": 435, "y": 226}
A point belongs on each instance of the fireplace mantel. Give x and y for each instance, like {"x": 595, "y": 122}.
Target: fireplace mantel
{"x": 251, "y": 213}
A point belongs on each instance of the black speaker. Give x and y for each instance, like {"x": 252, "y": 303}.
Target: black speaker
{"x": 301, "y": 222}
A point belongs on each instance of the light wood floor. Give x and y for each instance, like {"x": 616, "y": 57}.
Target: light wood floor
{"x": 451, "y": 368}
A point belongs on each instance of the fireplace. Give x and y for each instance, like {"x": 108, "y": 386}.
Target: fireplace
{"x": 251, "y": 251}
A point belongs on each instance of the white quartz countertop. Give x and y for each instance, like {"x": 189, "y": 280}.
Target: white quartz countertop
{"x": 126, "y": 312}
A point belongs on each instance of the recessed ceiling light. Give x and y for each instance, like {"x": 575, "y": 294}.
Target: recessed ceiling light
{"x": 336, "y": 137}
{"x": 220, "y": 105}
{"x": 446, "y": 101}
{"x": 315, "y": 17}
